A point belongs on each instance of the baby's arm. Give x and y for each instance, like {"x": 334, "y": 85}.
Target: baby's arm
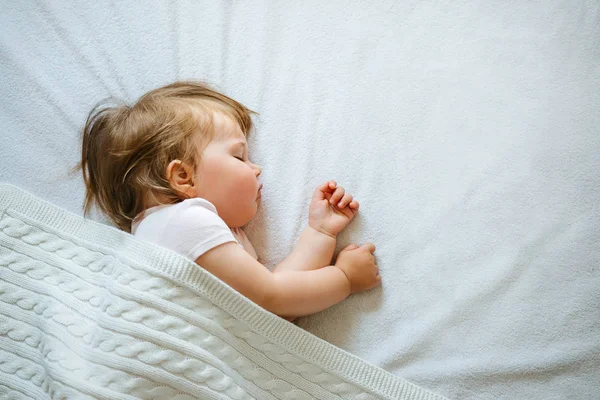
{"x": 314, "y": 250}
{"x": 286, "y": 293}
{"x": 293, "y": 293}
{"x": 331, "y": 209}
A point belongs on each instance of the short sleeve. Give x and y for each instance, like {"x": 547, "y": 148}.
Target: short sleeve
{"x": 195, "y": 229}
{"x": 190, "y": 228}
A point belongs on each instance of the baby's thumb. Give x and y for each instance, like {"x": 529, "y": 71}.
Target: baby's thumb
{"x": 350, "y": 247}
{"x": 369, "y": 246}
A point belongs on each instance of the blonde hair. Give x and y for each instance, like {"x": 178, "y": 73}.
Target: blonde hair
{"x": 126, "y": 149}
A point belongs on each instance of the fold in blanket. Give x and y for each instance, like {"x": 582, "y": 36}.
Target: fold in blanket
{"x": 87, "y": 311}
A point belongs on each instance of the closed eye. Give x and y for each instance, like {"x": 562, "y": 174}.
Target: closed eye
{"x": 239, "y": 158}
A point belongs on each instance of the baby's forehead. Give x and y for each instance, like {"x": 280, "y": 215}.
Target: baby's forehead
{"x": 227, "y": 129}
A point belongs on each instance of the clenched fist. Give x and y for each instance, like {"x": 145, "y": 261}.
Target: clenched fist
{"x": 358, "y": 263}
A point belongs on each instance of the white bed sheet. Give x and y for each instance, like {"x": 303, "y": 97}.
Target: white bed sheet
{"x": 467, "y": 130}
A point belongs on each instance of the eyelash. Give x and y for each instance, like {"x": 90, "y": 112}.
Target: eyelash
{"x": 241, "y": 159}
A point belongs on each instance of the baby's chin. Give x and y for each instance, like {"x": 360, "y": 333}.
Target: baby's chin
{"x": 253, "y": 214}
{"x": 244, "y": 221}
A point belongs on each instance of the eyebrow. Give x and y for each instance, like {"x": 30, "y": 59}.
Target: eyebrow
{"x": 243, "y": 144}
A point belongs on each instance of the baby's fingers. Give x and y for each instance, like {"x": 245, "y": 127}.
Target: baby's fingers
{"x": 376, "y": 277}
{"x": 328, "y": 186}
{"x": 370, "y": 247}
{"x": 324, "y": 190}
{"x": 351, "y": 246}
{"x": 377, "y": 280}
{"x": 337, "y": 195}
{"x": 345, "y": 200}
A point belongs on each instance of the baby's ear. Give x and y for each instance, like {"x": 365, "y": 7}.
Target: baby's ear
{"x": 180, "y": 176}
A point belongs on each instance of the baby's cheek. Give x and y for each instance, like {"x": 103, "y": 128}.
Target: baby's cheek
{"x": 243, "y": 188}
{"x": 250, "y": 185}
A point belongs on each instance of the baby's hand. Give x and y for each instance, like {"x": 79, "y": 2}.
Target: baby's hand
{"x": 331, "y": 209}
{"x": 358, "y": 263}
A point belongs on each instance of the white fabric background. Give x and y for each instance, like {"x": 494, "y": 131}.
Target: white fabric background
{"x": 467, "y": 130}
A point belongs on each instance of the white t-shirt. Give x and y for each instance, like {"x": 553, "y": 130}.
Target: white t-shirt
{"x": 190, "y": 228}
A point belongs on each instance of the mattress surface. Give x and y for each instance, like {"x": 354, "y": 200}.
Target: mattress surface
{"x": 468, "y": 132}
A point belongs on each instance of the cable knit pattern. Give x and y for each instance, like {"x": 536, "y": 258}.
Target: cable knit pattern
{"x": 87, "y": 311}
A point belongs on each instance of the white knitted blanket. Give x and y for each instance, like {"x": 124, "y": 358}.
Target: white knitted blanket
{"x": 87, "y": 311}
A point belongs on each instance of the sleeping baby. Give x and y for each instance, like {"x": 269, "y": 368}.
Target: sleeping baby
{"x": 174, "y": 170}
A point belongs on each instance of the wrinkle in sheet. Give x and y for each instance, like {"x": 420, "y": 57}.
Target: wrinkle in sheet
{"x": 61, "y": 28}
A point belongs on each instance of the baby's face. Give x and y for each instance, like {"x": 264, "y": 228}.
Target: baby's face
{"x": 225, "y": 175}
